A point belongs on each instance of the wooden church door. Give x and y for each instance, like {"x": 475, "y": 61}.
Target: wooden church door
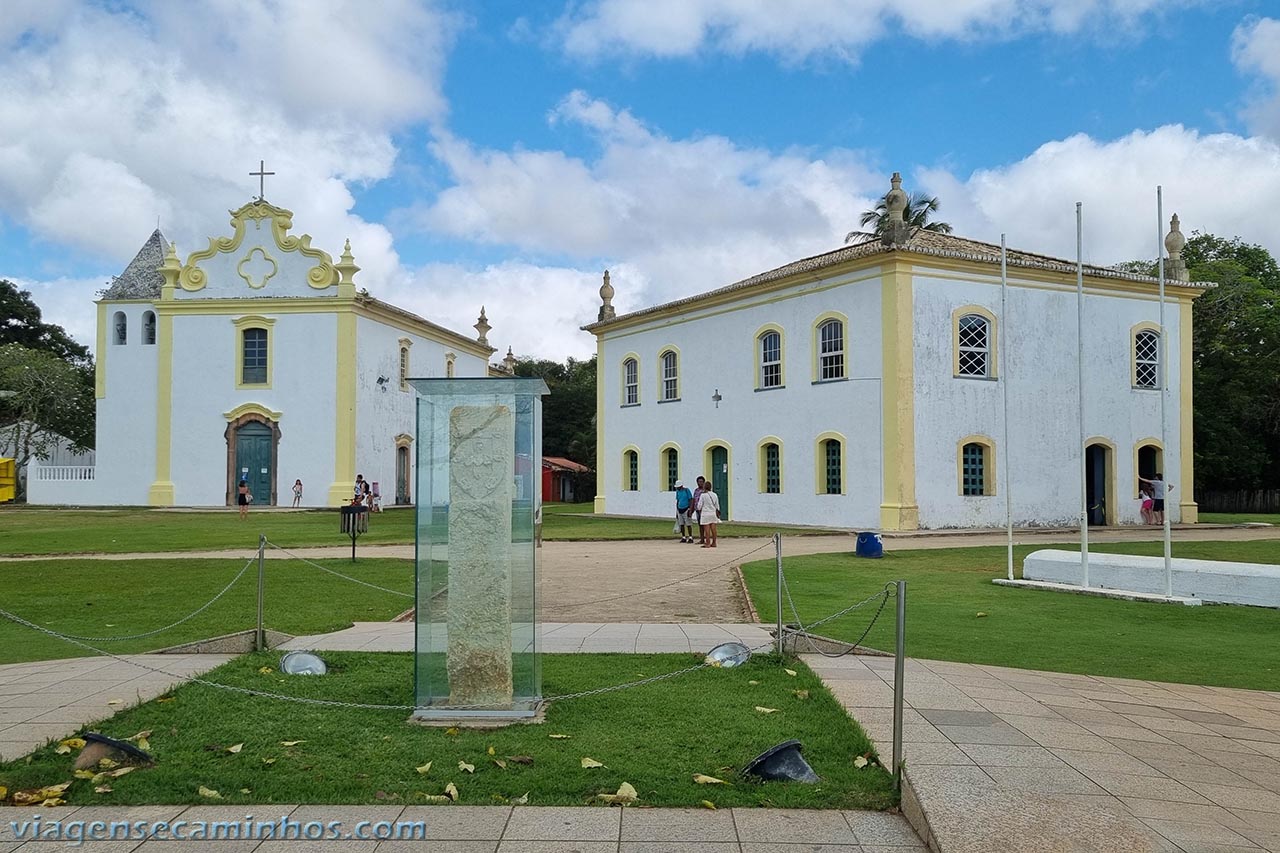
{"x": 253, "y": 460}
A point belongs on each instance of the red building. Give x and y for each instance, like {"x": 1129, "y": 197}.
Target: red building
{"x": 557, "y": 478}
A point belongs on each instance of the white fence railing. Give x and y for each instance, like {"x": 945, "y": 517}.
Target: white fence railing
{"x": 63, "y": 473}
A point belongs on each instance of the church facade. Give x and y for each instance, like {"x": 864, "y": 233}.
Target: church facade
{"x": 864, "y": 388}
{"x": 256, "y": 358}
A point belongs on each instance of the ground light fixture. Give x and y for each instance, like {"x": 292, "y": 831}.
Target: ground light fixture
{"x": 302, "y": 663}
{"x": 782, "y": 763}
{"x": 728, "y": 655}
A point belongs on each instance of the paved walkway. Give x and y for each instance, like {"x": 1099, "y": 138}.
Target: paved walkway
{"x": 1007, "y": 759}
{"x": 486, "y": 829}
{"x": 557, "y": 637}
{"x": 52, "y": 699}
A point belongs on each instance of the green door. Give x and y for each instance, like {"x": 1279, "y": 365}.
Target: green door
{"x": 720, "y": 478}
{"x": 253, "y": 461}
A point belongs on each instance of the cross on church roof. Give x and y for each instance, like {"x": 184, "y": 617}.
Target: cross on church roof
{"x": 261, "y": 175}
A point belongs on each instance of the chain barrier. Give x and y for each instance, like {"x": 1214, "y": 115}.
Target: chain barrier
{"x": 883, "y": 595}
{"x": 193, "y": 614}
{"x": 724, "y": 565}
{"x": 316, "y": 565}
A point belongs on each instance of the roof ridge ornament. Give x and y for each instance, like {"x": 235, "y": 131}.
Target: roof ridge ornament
{"x": 606, "y": 301}
{"x": 482, "y": 327}
{"x": 896, "y": 230}
{"x": 1175, "y": 267}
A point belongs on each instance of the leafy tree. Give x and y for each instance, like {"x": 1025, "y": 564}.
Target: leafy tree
{"x": 24, "y": 326}
{"x": 568, "y": 412}
{"x": 920, "y": 209}
{"x": 46, "y": 400}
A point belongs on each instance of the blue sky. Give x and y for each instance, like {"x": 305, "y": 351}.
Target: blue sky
{"x": 486, "y": 153}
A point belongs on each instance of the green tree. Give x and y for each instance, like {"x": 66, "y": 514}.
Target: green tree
{"x": 568, "y": 412}
{"x": 26, "y": 327}
{"x": 46, "y": 400}
{"x": 919, "y": 212}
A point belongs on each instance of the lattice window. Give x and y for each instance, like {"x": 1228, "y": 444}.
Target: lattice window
{"x": 670, "y": 376}
{"x": 975, "y": 346}
{"x": 673, "y": 468}
{"x": 831, "y": 350}
{"x": 973, "y": 459}
{"x": 835, "y": 475}
{"x": 255, "y": 357}
{"x": 1146, "y": 359}
{"x": 404, "y": 366}
{"x": 772, "y": 469}
{"x": 633, "y": 471}
{"x": 631, "y": 382}
{"x": 770, "y": 360}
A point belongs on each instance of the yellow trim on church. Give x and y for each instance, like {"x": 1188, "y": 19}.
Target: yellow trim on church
{"x": 320, "y": 277}
{"x": 254, "y": 409}
{"x": 100, "y": 365}
{"x": 162, "y": 492}
{"x": 244, "y": 324}
{"x": 598, "y": 508}
{"x": 898, "y": 509}
{"x": 1189, "y": 509}
{"x": 344, "y": 410}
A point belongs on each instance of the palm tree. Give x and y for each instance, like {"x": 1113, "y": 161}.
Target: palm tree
{"x": 919, "y": 208}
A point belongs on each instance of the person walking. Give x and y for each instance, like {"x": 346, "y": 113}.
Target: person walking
{"x": 684, "y": 507}
{"x": 243, "y": 496}
{"x": 1159, "y": 488}
{"x": 709, "y": 515}
{"x": 297, "y": 492}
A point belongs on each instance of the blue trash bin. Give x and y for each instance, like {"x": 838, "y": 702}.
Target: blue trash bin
{"x": 869, "y": 545}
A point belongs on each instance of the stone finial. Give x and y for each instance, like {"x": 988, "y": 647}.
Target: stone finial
{"x": 606, "y": 300}
{"x": 170, "y": 267}
{"x": 482, "y": 328}
{"x": 509, "y": 362}
{"x": 895, "y": 203}
{"x": 1174, "y": 266}
{"x": 346, "y": 265}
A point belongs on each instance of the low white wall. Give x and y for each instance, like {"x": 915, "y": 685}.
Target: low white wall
{"x": 1209, "y": 580}
{"x": 73, "y": 485}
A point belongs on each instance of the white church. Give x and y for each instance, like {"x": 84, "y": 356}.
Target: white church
{"x": 256, "y": 358}
{"x": 864, "y": 388}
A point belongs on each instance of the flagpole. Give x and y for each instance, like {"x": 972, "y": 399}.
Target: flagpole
{"x": 1003, "y": 363}
{"x": 1084, "y": 459}
{"x": 1164, "y": 384}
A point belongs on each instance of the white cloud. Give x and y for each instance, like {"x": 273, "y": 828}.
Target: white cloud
{"x": 840, "y": 28}
{"x": 1255, "y": 49}
{"x": 67, "y": 302}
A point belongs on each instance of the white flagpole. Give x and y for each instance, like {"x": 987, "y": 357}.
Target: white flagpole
{"x": 1003, "y": 363}
{"x": 1164, "y": 384}
{"x": 1084, "y": 460}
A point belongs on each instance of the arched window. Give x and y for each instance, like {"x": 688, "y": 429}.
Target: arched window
{"x": 1146, "y": 359}
{"x": 671, "y": 467}
{"x": 630, "y": 382}
{"x": 976, "y": 466}
{"x": 829, "y": 464}
{"x": 831, "y": 350}
{"x": 404, "y": 343}
{"x": 770, "y": 360}
{"x": 149, "y": 327}
{"x": 974, "y": 346}
{"x": 771, "y": 468}
{"x": 631, "y": 471}
{"x": 449, "y": 359}
{"x": 670, "y": 375}
{"x": 120, "y": 329}
{"x": 254, "y": 365}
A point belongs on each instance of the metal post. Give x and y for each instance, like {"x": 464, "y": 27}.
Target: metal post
{"x": 899, "y": 665}
{"x": 1003, "y": 367}
{"x": 260, "y": 637}
{"x": 1162, "y": 352}
{"x": 777, "y": 559}
{"x": 1084, "y": 457}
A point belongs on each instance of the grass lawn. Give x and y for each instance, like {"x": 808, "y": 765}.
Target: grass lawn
{"x": 39, "y": 531}
{"x": 654, "y": 737}
{"x": 955, "y": 613}
{"x": 1239, "y": 518}
{"x": 113, "y": 598}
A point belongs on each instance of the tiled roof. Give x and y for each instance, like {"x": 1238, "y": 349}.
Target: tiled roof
{"x": 141, "y": 279}
{"x": 565, "y": 464}
{"x": 921, "y": 242}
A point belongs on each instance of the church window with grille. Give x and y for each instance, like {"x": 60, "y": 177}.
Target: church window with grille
{"x": 672, "y": 459}
{"x": 772, "y": 469}
{"x": 974, "y": 356}
{"x": 834, "y": 470}
{"x": 255, "y": 357}
{"x": 973, "y": 459}
{"x": 630, "y": 382}
{"x": 1146, "y": 359}
{"x": 632, "y": 460}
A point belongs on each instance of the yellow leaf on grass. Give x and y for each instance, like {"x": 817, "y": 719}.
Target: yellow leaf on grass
{"x": 590, "y": 762}
{"x": 4, "y": 792}
{"x": 79, "y": 774}
{"x": 235, "y": 748}
{"x": 981, "y": 615}
{"x": 452, "y": 731}
{"x": 763, "y": 710}
{"x": 69, "y": 744}
{"x": 521, "y": 800}
{"x": 268, "y": 761}
{"x": 435, "y": 798}
{"x": 559, "y": 737}
{"x": 107, "y": 763}
{"x": 708, "y": 780}
{"x": 790, "y": 672}
{"x": 753, "y": 681}
{"x": 424, "y": 769}
{"x": 493, "y": 751}
{"x": 53, "y": 790}
{"x": 707, "y": 804}
{"x": 102, "y": 789}
{"x": 860, "y": 762}
{"x": 165, "y": 699}
{"x": 451, "y": 791}
{"x": 291, "y": 742}
{"x": 466, "y": 768}
{"x": 144, "y": 744}
{"x": 266, "y": 670}
{"x": 53, "y": 801}
{"x": 801, "y": 694}
{"x": 245, "y": 791}
{"x": 626, "y": 795}
{"x": 501, "y": 764}
{"x": 116, "y": 774}
{"x": 209, "y": 793}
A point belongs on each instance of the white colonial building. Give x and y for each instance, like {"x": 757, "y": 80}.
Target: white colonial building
{"x": 256, "y": 358}
{"x": 862, "y": 388}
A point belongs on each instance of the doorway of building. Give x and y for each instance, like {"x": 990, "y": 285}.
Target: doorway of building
{"x": 720, "y": 478}
{"x": 253, "y": 461}
{"x": 1096, "y": 477}
{"x": 402, "y": 475}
